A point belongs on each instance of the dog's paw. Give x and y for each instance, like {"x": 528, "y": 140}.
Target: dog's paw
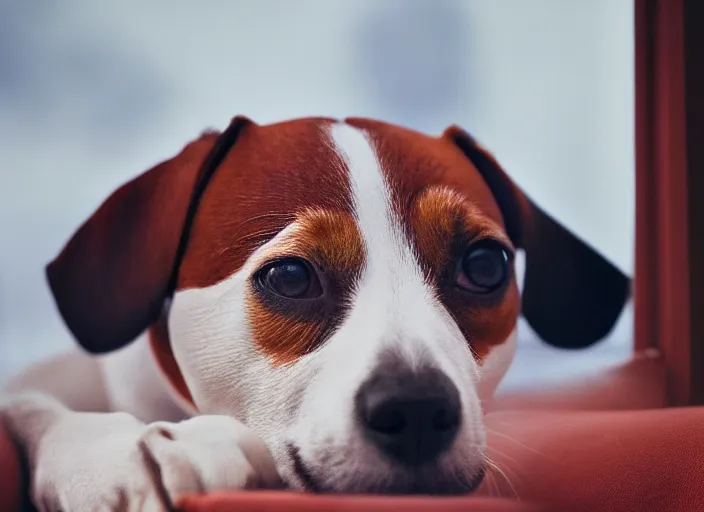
{"x": 207, "y": 453}
{"x": 111, "y": 462}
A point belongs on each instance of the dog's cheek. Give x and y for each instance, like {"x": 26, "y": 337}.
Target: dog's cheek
{"x": 325, "y": 419}
{"x": 486, "y": 327}
{"x": 495, "y": 365}
{"x": 211, "y": 343}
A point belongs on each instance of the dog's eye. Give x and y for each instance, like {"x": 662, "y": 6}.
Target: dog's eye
{"x": 290, "y": 278}
{"x": 484, "y": 267}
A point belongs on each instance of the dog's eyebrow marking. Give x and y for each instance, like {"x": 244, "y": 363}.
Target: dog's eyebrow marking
{"x": 438, "y": 215}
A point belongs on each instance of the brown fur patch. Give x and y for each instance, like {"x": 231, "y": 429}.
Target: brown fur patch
{"x": 274, "y": 173}
{"x": 438, "y": 216}
{"x": 443, "y": 224}
{"x": 161, "y": 348}
{"x": 286, "y": 330}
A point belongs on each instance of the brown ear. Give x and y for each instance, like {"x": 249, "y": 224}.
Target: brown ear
{"x": 112, "y": 278}
{"x": 572, "y": 296}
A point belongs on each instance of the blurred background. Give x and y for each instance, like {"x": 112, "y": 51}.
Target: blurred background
{"x": 93, "y": 93}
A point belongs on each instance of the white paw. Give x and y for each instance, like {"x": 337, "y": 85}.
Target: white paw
{"x": 208, "y": 453}
{"x": 109, "y": 462}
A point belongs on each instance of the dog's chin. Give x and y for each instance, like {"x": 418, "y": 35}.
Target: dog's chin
{"x": 427, "y": 480}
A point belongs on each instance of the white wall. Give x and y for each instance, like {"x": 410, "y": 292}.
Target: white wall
{"x": 93, "y": 93}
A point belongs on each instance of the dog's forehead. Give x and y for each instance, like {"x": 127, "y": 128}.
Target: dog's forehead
{"x": 413, "y": 162}
{"x": 277, "y": 171}
{"x": 273, "y": 172}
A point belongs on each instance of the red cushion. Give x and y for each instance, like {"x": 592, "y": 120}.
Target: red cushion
{"x": 562, "y": 461}
{"x": 640, "y": 383}
{"x": 616, "y": 461}
{"x": 293, "y": 502}
{"x": 10, "y": 475}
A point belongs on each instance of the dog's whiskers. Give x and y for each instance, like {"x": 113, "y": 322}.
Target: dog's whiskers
{"x": 495, "y": 467}
{"x": 518, "y": 443}
{"x": 492, "y": 486}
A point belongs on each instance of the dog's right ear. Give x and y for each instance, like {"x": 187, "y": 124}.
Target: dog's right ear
{"x": 111, "y": 280}
{"x": 572, "y": 295}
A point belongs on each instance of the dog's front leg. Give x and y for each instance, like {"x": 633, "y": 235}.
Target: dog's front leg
{"x": 112, "y": 461}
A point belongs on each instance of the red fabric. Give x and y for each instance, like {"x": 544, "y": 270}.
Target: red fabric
{"x": 291, "y": 502}
{"x": 568, "y": 461}
{"x": 640, "y": 383}
{"x": 563, "y": 461}
{"x": 10, "y": 475}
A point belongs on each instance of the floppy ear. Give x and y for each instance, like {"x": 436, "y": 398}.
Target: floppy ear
{"x": 572, "y": 296}
{"x": 111, "y": 280}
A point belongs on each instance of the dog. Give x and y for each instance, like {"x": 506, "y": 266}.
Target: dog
{"x": 315, "y": 304}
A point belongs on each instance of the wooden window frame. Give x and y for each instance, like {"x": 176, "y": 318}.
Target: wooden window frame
{"x": 669, "y": 248}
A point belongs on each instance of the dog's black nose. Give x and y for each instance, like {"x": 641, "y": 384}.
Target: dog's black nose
{"x": 412, "y": 417}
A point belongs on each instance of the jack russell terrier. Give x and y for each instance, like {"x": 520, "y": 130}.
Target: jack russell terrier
{"x": 330, "y": 302}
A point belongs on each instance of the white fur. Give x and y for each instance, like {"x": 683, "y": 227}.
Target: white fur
{"x": 134, "y": 384}
{"x": 113, "y": 461}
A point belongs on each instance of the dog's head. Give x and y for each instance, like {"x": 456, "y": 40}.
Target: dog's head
{"x": 344, "y": 288}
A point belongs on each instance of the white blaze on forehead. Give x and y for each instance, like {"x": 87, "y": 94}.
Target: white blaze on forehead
{"x": 370, "y": 195}
{"x": 392, "y": 299}
{"x": 389, "y": 261}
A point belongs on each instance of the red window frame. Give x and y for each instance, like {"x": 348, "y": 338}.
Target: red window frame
{"x": 669, "y": 249}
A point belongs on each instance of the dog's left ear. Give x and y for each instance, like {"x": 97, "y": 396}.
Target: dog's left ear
{"x": 114, "y": 276}
{"x": 572, "y": 296}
